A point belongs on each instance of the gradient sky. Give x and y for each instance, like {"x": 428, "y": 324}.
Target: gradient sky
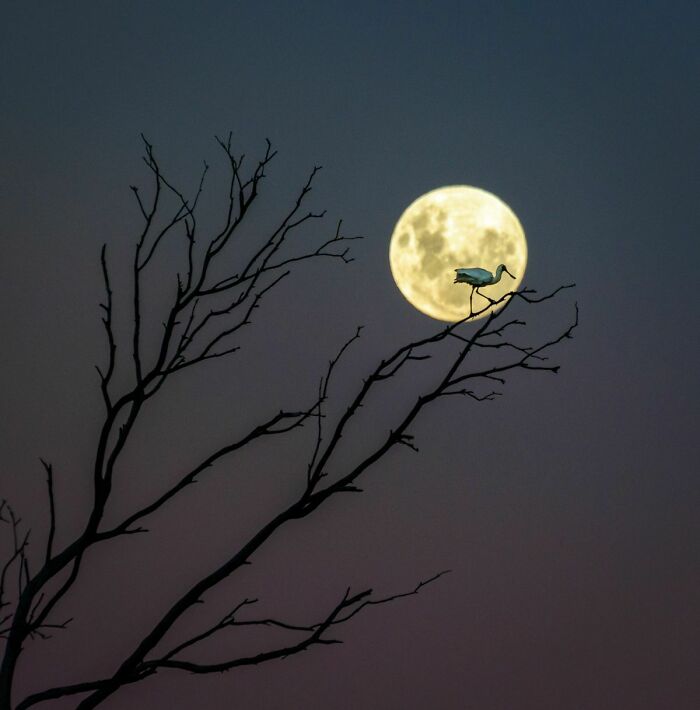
{"x": 567, "y": 509}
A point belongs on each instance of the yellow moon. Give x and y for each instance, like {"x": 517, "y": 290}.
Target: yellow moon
{"x": 449, "y": 228}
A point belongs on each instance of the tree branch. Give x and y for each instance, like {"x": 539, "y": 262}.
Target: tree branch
{"x": 322, "y": 396}
{"x": 348, "y": 607}
{"x": 18, "y": 555}
{"x": 52, "y": 509}
{"x": 74, "y": 689}
{"x": 287, "y": 420}
{"x": 107, "y": 322}
{"x": 313, "y": 496}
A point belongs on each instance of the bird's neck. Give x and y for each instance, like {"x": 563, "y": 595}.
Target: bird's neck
{"x": 499, "y": 271}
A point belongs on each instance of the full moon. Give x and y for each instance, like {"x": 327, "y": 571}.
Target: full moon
{"x": 449, "y": 228}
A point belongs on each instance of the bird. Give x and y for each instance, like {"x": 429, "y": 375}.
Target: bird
{"x": 477, "y": 277}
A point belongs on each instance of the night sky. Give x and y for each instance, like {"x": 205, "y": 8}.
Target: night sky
{"x": 567, "y": 509}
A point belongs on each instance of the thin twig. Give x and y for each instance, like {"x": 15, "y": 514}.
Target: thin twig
{"x": 52, "y": 509}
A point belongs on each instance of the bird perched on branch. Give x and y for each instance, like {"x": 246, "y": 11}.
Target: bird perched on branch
{"x": 477, "y": 278}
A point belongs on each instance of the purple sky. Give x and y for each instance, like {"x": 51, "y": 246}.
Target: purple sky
{"x": 567, "y": 510}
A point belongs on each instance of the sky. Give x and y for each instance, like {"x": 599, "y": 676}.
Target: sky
{"x": 567, "y": 509}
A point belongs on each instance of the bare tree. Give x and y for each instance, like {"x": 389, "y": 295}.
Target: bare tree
{"x": 205, "y": 315}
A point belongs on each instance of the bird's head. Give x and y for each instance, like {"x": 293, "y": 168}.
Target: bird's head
{"x": 503, "y": 267}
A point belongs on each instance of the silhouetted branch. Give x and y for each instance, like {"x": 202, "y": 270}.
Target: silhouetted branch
{"x": 240, "y": 196}
{"x": 107, "y": 322}
{"x": 524, "y": 293}
{"x": 40, "y": 629}
{"x": 18, "y": 555}
{"x": 346, "y": 609}
{"x": 287, "y": 420}
{"x": 489, "y": 397}
{"x": 185, "y": 210}
{"x": 74, "y": 689}
{"x": 528, "y": 354}
{"x": 227, "y": 621}
{"x": 323, "y": 395}
{"x": 258, "y": 262}
{"x": 445, "y": 387}
{"x": 393, "y": 597}
{"x": 179, "y": 362}
{"x": 40, "y": 613}
{"x": 52, "y": 508}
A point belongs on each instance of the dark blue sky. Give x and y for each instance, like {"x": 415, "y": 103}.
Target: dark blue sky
{"x": 567, "y": 509}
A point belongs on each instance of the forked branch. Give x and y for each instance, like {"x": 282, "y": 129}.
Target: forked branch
{"x": 348, "y": 607}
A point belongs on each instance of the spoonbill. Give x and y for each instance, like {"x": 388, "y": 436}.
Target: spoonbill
{"x": 477, "y": 277}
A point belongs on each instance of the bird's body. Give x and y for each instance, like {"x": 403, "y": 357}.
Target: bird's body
{"x": 477, "y": 277}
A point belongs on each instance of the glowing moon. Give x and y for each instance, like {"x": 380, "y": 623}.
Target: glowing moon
{"x": 449, "y": 228}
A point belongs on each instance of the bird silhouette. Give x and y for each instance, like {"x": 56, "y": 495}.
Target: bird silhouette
{"x": 477, "y": 277}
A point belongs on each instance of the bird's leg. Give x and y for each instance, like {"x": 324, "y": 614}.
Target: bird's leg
{"x": 471, "y": 298}
{"x": 486, "y": 297}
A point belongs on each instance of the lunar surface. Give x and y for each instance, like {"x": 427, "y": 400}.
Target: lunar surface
{"x": 450, "y": 228}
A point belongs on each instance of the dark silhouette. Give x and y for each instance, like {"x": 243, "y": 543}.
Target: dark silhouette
{"x": 207, "y": 309}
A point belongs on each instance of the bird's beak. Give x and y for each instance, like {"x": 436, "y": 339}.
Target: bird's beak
{"x": 509, "y": 274}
